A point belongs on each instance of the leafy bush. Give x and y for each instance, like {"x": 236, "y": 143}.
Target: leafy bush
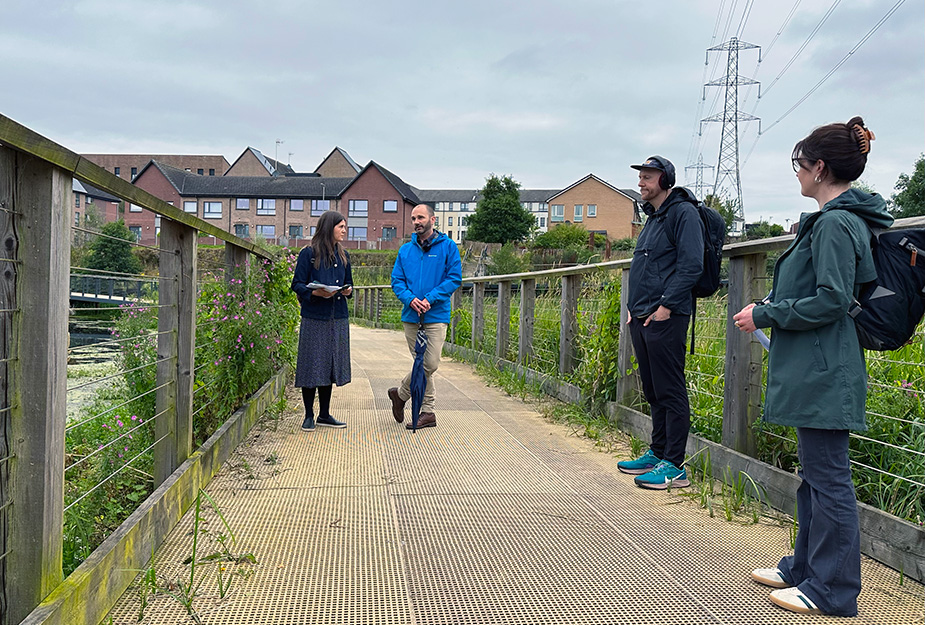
{"x": 508, "y": 260}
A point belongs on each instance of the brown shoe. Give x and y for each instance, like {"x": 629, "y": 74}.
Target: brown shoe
{"x": 398, "y": 405}
{"x": 425, "y": 420}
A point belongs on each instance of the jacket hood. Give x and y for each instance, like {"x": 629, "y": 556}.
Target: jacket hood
{"x": 675, "y": 196}
{"x": 870, "y": 207}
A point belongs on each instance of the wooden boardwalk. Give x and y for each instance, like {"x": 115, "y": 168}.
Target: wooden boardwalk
{"x": 496, "y": 516}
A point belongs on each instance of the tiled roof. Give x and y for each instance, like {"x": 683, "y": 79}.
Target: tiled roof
{"x": 193, "y": 185}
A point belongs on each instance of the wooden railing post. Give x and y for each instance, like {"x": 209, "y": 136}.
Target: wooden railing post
{"x": 478, "y": 314}
{"x": 742, "y": 384}
{"x": 527, "y": 312}
{"x": 568, "y": 330}
{"x": 176, "y": 324}
{"x": 503, "y": 332}
{"x": 38, "y": 196}
{"x": 629, "y": 379}
{"x": 236, "y": 264}
{"x": 455, "y": 309}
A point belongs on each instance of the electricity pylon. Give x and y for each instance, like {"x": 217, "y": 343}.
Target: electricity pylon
{"x": 699, "y": 185}
{"x": 728, "y": 183}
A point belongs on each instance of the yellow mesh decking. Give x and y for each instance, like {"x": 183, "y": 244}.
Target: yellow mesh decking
{"x": 495, "y": 516}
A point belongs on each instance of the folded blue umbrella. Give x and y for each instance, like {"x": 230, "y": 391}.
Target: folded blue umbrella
{"x": 418, "y": 376}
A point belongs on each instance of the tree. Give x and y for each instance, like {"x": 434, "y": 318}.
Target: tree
{"x": 763, "y": 230}
{"x": 725, "y": 208}
{"x": 910, "y": 199}
{"x": 113, "y": 251}
{"x": 566, "y": 236}
{"x": 499, "y": 217}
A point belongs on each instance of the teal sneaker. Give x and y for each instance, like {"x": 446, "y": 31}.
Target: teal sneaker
{"x": 664, "y": 475}
{"x": 643, "y": 464}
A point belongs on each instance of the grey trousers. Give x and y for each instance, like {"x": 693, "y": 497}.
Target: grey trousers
{"x": 436, "y": 336}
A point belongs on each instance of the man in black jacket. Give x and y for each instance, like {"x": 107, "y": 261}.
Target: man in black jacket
{"x": 667, "y": 262}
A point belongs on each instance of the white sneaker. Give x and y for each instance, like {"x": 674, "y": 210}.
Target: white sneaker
{"x": 794, "y": 600}
{"x": 770, "y": 577}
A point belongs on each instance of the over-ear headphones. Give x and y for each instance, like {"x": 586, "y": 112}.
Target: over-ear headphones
{"x": 666, "y": 179}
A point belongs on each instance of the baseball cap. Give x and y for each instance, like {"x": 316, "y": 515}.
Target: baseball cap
{"x": 660, "y": 163}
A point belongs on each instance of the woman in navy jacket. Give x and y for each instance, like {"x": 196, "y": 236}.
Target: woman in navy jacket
{"x": 324, "y": 334}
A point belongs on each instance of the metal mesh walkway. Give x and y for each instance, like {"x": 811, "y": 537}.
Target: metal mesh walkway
{"x": 495, "y": 516}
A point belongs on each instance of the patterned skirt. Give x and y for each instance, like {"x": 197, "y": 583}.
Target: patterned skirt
{"x": 324, "y": 353}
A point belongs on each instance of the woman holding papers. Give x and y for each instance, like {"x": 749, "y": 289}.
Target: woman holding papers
{"x": 323, "y": 282}
{"x": 817, "y": 380}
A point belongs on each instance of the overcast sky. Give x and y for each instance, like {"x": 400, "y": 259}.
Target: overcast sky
{"x": 445, "y": 93}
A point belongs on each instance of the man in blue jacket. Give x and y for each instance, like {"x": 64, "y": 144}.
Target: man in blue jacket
{"x": 667, "y": 262}
{"x": 426, "y": 273}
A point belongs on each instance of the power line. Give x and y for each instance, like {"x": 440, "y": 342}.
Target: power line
{"x": 839, "y": 64}
{"x": 802, "y": 47}
{"x": 744, "y": 20}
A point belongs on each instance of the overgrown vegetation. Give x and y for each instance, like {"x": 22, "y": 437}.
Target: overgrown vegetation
{"x": 245, "y": 332}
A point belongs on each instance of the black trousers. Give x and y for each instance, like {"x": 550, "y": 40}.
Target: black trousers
{"x": 660, "y": 351}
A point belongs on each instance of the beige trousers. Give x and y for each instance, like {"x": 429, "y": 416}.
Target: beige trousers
{"x": 436, "y": 335}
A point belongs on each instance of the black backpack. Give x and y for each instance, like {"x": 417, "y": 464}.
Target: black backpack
{"x": 890, "y": 308}
{"x": 714, "y": 235}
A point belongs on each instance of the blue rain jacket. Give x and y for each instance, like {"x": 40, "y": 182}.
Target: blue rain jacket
{"x": 433, "y": 275}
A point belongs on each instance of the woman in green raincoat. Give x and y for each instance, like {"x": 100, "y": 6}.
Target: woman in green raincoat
{"x": 817, "y": 377}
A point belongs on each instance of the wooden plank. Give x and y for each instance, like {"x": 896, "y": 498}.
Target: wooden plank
{"x": 168, "y": 293}
{"x": 629, "y": 378}
{"x": 456, "y": 309}
{"x": 503, "y": 328}
{"x": 43, "y": 199}
{"x": 742, "y": 384}
{"x": 568, "y": 324}
{"x": 527, "y": 316}
{"x": 478, "y": 314}
{"x": 9, "y": 244}
{"x": 236, "y": 265}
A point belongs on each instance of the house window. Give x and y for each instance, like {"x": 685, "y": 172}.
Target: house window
{"x": 211, "y": 210}
{"x": 190, "y": 207}
{"x": 437, "y": 223}
{"x": 359, "y": 208}
{"x": 200, "y": 171}
{"x": 136, "y": 231}
{"x": 449, "y": 206}
{"x": 211, "y": 172}
{"x": 579, "y": 212}
{"x": 558, "y": 212}
{"x": 464, "y": 206}
{"x": 116, "y": 170}
{"x": 311, "y": 231}
{"x": 462, "y": 221}
{"x": 266, "y": 231}
{"x": 134, "y": 208}
{"x": 295, "y": 232}
{"x": 542, "y": 222}
{"x": 134, "y": 172}
{"x": 356, "y": 234}
{"x": 242, "y": 231}
{"x": 266, "y": 207}
{"x": 390, "y": 206}
{"x": 77, "y": 219}
{"x": 89, "y": 200}
{"x": 157, "y": 225}
{"x": 242, "y": 204}
{"x": 388, "y": 233}
{"x": 592, "y": 210}
{"x": 319, "y": 206}
{"x": 76, "y": 201}
{"x": 296, "y": 205}
{"x": 450, "y": 235}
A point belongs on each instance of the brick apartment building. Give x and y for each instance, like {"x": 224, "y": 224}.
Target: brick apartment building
{"x": 258, "y": 197}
